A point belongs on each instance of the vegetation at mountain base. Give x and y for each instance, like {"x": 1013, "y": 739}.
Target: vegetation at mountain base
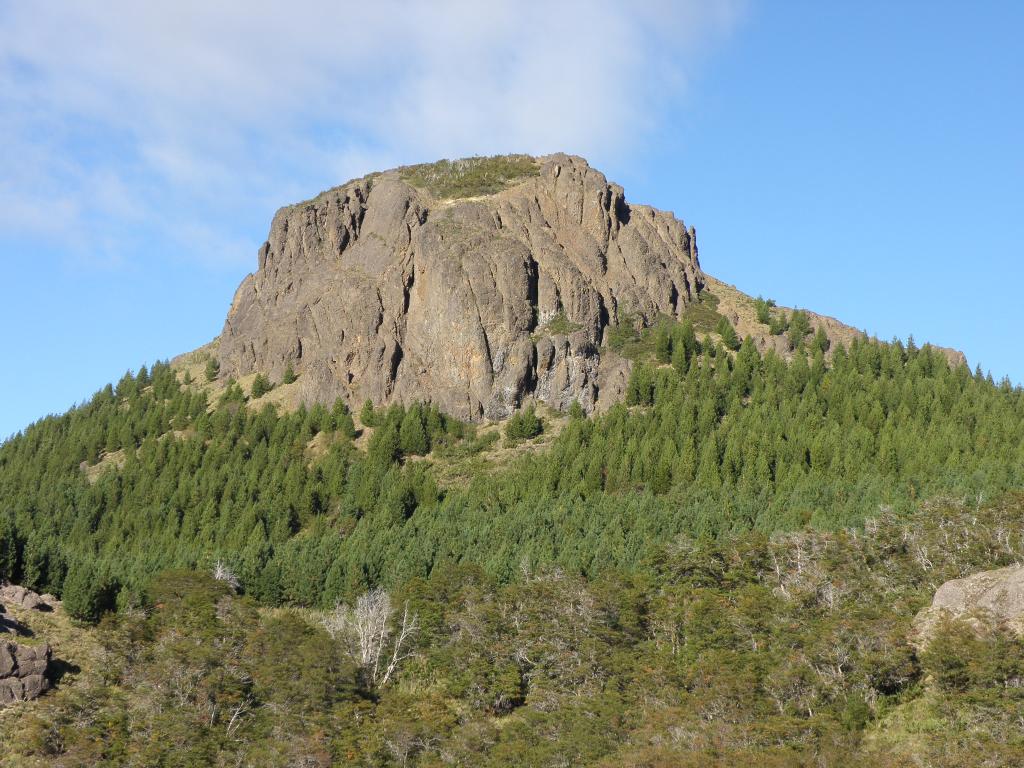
{"x": 470, "y": 177}
{"x": 778, "y": 650}
{"x": 699, "y": 576}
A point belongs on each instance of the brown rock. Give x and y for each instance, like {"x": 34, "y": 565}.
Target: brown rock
{"x": 33, "y": 685}
{"x": 7, "y": 662}
{"x": 20, "y": 596}
{"x": 32, "y": 660}
{"x": 377, "y": 290}
{"x": 11, "y": 690}
{"x": 22, "y": 672}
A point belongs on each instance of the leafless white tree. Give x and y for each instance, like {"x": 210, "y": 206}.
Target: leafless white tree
{"x": 221, "y": 572}
{"x": 368, "y": 629}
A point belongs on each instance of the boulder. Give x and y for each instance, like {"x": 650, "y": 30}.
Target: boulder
{"x": 989, "y": 597}
{"x": 20, "y": 597}
{"x": 22, "y": 671}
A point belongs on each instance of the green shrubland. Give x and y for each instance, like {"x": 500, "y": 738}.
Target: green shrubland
{"x": 471, "y": 176}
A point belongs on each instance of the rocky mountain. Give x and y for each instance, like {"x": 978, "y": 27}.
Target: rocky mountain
{"x": 393, "y": 288}
{"x": 476, "y": 285}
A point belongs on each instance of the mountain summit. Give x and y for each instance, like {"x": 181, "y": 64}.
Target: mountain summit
{"x": 473, "y": 284}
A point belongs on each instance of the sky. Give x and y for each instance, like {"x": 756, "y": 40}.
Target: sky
{"x": 864, "y": 160}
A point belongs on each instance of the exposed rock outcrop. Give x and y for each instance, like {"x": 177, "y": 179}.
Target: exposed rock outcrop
{"x": 995, "y": 597}
{"x": 21, "y": 597}
{"x": 22, "y": 672}
{"x": 378, "y": 290}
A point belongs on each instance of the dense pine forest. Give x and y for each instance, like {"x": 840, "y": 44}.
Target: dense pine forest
{"x": 723, "y": 568}
{"x": 711, "y": 444}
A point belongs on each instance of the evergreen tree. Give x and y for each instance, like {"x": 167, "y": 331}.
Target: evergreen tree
{"x": 367, "y": 415}
{"x": 385, "y": 446}
{"x": 342, "y": 419}
{"x": 86, "y": 595}
{"x": 729, "y": 338}
{"x": 524, "y": 424}
{"x": 212, "y": 368}
{"x": 260, "y": 386}
{"x": 662, "y": 344}
{"x": 820, "y": 341}
{"x": 763, "y": 310}
{"x": 8, "y": 550}
{"x": 289, "y": 375}
{"x": 799, "y": 327}
{"x": 576, "y": 412}
{"x": 412, "y": 436}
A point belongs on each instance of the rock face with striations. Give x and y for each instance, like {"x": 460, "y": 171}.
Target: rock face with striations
{"x": 386, "y": 289}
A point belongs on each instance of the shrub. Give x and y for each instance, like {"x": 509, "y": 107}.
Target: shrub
{"x": 524, "y": 425}
{"x": 212, "y": 369}
{"x": 763, "y": 308}
{"x": 728, "y": 334}
{"x": 260, "y": 386}
{"x": 799, "y": 327}
{"x": 469, "y": 177}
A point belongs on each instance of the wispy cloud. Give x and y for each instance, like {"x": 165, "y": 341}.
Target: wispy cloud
{"x": 124, "y": 120}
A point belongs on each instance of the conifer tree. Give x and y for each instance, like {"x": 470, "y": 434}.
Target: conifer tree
{"x": 799, "y": 327}
{"x": 260, "y": 386}
{"x": 8, "y": 550}
{"x": 662, "y": 345}
{"x": 412, "y": 436}
{"x": 212, "y": 369}
{"x": 86, "y": 595}
{"x": 729, "y": 338}
{"x": 576, "y": 412}
{"x": 367, "y": 415}
{"x": 524, "y": 424}
{"x": 289, "y": 375}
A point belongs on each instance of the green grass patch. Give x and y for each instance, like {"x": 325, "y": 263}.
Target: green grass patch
{"x": 703, "y": 313}
{"x": 559, "y": 325}
{"x": 638, "y": 345}
{"x": 471, "y": 176}
{"x": 625, "y": 339}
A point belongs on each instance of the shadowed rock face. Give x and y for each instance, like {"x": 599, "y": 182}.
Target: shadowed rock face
{"x": 377, "y": 290}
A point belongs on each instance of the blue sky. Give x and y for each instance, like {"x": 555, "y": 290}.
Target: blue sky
{"x": 865, "y": 160}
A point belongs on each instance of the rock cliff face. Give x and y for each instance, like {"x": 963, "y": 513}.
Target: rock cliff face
{"x": 382, "y": 290}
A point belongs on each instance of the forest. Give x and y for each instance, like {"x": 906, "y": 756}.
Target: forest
{"x": 708, "y": 445}
{"x": 724, "y": 567}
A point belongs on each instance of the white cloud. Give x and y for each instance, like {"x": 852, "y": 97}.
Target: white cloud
{"x": 178, "y": 116}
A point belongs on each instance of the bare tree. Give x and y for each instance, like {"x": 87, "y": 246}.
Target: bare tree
{"x": 369, "y": 632}
{"x": 221, "y": 572}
